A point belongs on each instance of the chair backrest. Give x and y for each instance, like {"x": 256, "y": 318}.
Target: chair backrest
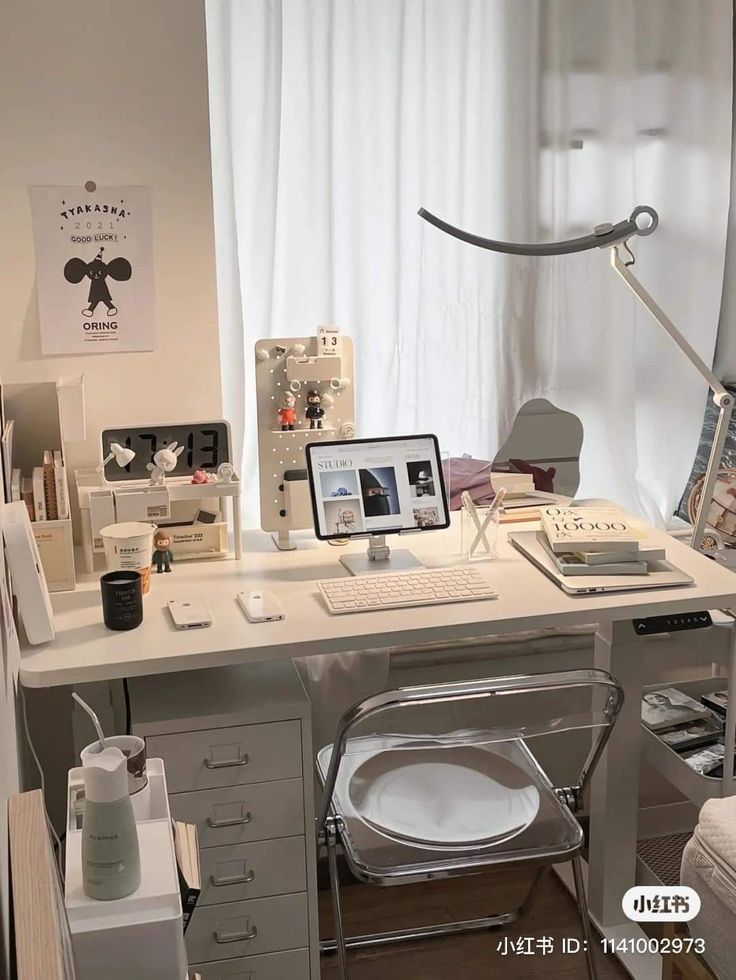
{"x": 605, "y": 693}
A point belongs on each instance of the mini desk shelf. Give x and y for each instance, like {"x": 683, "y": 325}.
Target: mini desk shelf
{"x": 172, "y": 506}
{"x": 293, "y": 364}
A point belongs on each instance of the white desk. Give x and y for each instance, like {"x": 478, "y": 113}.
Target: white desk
{"x": 85, "y": 651}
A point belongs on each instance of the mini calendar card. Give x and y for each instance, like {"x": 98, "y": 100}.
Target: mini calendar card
{"x": 94, "y": 268}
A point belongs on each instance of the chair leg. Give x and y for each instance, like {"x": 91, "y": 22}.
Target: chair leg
{"x": 532, "y": 893}
{"x": 336, "y": 907}
{"x": 577, "y": 873}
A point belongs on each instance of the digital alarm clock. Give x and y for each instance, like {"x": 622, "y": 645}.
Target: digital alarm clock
{"x": 206, "y": 446}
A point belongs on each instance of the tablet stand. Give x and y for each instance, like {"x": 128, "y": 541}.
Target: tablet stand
{"x": 380, "y": 558}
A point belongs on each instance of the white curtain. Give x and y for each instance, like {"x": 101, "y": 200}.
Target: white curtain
{"x": 527, "y": 120}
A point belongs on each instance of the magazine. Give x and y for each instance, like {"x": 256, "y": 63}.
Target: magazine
{"x": 692, "y": 736}
{"x": 669, "y": 708}
{"x": 707, "y": 759}
{"x": 717, "y": 701}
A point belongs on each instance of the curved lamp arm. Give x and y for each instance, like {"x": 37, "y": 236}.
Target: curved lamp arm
{"x": 602, "y": 236}
{"x": 611, "y": 236}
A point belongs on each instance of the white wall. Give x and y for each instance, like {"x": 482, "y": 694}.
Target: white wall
{"x": 115, "y": 92}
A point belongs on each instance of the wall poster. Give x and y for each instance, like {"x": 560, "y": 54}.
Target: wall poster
{"x": 94, "y": 268}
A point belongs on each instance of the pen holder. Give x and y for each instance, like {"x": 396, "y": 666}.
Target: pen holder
{"x": 479, "y": 532}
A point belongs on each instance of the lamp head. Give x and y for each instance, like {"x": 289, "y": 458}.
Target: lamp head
{"x": 643, "y": 220}
{"x": 121, "y": 454}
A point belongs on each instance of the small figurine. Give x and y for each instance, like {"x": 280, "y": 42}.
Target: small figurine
{"x": 164, "y": 461}
{"x": 202, "y": 476}
{"x": 287, "y": 412}
{"x": 162, "y": 555}
{"x": 315, "y": 413}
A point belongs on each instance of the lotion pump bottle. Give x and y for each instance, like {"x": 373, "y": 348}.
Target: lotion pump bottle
{"x": 111, "y": 864}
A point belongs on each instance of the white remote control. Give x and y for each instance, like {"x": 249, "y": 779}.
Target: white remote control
{"x": 260, "y": 606}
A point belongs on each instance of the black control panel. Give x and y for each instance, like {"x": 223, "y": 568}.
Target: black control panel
{"x": 672, "y": 624}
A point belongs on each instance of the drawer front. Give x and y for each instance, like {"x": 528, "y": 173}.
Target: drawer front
{"x": 237, "y": 814}
{"x": 229, "y": 756}
{"x": 263, "y": 925}
{"x": 241, "y": 871}
{"x": 292, "y": 965}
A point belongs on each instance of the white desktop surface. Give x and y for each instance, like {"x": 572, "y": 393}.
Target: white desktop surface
{"x": 85, "y": 650}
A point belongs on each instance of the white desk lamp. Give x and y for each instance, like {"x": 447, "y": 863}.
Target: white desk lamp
{"x": 613, "y": 236}
{"x": 120, "y": 454}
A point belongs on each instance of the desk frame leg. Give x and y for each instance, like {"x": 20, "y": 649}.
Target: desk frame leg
{"x": 614, "y": 797}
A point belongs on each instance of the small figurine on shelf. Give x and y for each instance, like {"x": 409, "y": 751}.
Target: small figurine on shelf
{"x": 287, "y": 412}
{"x": 202, "y": 476}
{"x": 164, "y": 461}
{"x": 162, "y": 554}
{"x": 315, "y": 413}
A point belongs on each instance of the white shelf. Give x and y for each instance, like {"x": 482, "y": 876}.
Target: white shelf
{"x": 671, "y": 765}
{"x": 302, "y": 430}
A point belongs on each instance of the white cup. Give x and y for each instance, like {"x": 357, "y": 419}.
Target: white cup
{"x": 129, "y": 545}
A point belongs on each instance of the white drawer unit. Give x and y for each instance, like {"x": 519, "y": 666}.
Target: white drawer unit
{"x": 236, "y": 742}
{"x": 292, "y": 965}
{"x": 237, "y": 814}
{"x": 264, "y": 925}
{"x": 240, "y": 871}
{"x": 229, "y": 756}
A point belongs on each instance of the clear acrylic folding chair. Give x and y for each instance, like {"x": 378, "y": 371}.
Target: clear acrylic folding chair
{"x": 406, "y": 808}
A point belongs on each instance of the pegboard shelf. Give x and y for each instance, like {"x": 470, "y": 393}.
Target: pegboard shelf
{"x": 303, "y": 431}
{"x": 285, "y": 500}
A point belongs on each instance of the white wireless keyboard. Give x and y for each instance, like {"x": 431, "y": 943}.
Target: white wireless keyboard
{"x": 394, "y": 590}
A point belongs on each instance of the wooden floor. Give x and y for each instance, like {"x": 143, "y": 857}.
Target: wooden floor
{"x": 475, "y": 956}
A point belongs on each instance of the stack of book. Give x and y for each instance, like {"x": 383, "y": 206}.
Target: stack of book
{"x": 691, "y": 728}
{"x": 596, "y": 541}
{"x": 45, "y": 490}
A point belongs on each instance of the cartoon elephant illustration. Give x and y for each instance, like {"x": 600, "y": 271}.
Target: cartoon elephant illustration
{"x": 97, "y": 271}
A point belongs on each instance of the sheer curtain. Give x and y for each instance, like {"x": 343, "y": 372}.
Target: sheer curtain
{"x": 333, "y": 120}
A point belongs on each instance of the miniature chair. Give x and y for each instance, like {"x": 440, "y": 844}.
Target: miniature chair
{"x": 407, "y": 808}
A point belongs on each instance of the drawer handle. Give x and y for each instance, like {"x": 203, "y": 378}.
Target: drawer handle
{"x": 227, "y": 764}
{"x": 233, "y": 879}
{"x": 236, "y": 822}
{"x": 234, "y": 937}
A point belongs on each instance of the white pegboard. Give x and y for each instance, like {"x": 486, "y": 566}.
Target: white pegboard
{"x": 280, "y": 362}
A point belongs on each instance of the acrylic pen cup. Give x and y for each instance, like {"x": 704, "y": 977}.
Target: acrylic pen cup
{"x": 479, "y": 535}
{"x": 122, "y": 599}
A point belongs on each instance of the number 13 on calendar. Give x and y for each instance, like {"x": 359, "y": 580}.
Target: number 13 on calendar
{"x": 328, "y": 340}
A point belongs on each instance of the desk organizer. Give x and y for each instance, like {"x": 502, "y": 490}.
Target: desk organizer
{"x": 44, "y": 416}
{"x": 294, "y": 364}
{"x": 173, "y": 506}
{"x": 142, "y": 934}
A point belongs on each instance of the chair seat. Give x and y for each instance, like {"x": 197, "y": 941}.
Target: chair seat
{"x": 417, "y": 808}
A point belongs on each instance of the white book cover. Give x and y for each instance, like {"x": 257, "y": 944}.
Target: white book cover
{"x": 645, "y": 553}
{"x": 62, "y": 500}
{"x": 578, "y": 529}
{"x": 39, "y": 498}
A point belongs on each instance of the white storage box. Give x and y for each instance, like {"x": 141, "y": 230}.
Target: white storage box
{"x": 140, "y": 935}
